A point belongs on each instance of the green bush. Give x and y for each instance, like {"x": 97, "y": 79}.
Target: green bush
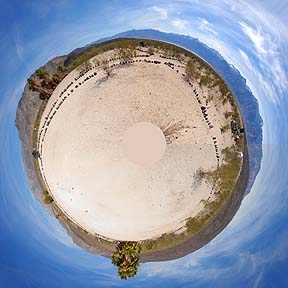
{"x": 47, "y": 198}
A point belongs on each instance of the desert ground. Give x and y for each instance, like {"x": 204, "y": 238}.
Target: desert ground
{"x": 83, "y": 155}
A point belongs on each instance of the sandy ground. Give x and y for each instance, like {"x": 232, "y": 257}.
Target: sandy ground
{"x": 82, "y": 159}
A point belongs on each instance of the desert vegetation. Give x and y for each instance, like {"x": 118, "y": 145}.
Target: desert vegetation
{"x": 47, "y": 198}
{"x": 126, "y": 258}
{"x": 223, "y": 179}
{"x": 126, "y": 54}
{"x": 44, "y": 84}
{"x": 192, "y": 70}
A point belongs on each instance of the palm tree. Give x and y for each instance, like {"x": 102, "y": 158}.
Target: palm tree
{"x": 126, "y": 257}
{"x": 42, "y": 74}
{"x": 44, "y": 93}
{"x": 62, "y": 72}
{"x": 46, "y": 86}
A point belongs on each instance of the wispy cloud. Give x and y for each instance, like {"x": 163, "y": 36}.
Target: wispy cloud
{"x": 245, "y": 265}
{"x": 267, "y": 50}
{"x": 256, "y": 49}
{"x": 207, "y": 27}
{"x": 260, "y": 42}
{"x": 179, "y": 24}
{"x": 163, "y": 13}
{"x": 246, "y": 59}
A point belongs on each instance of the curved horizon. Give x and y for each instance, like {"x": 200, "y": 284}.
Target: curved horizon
{"x": 252, "y": 250}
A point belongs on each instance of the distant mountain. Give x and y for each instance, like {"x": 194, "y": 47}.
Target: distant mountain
{"x": 237, "y": 83}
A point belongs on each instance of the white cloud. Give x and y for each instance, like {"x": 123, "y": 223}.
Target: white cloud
{"x": 246, "y": 59}
{"x": 246, "y": 263}
{"x": 207, "y": 27}
{"x": 268, "y": 51}
{"x": 162, "y": 12}
{"x": 265, "y": 52}
{"x": 179, "y": 24}
{"x": 257, "y": 37}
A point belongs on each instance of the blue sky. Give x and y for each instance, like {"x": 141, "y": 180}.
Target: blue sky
{"x": 252, "y": 36}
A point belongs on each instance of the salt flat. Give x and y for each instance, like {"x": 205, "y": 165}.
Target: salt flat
{"x": 84, "y": 163}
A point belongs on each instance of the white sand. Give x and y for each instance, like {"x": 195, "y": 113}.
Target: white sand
{"x": 89, "y": 176}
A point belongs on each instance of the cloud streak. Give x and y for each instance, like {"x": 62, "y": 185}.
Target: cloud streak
{"x": 256, "y": 238}
{"x": 163, "y": 13}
